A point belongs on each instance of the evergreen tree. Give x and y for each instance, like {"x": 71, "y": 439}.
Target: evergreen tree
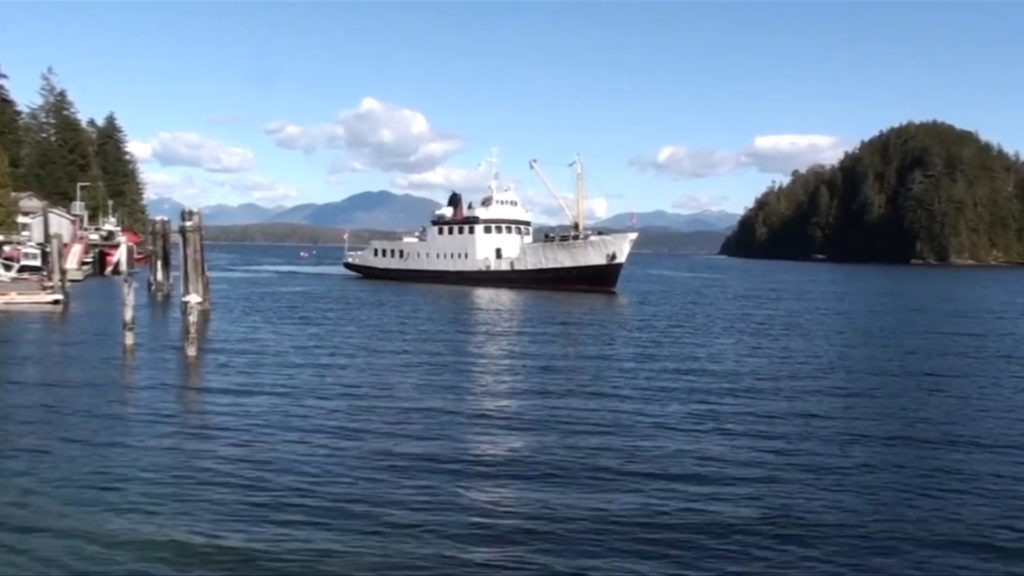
{"x": 10, "y": 132}
{"x": 8, "y": 207}
{"x": 918, "y": 191}
{"x": 120, "y": 171}
{"x": 60, "y": 150}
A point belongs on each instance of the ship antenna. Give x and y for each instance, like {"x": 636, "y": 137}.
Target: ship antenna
{"x": 579, "y": 192}
{"x": 494, "y": 169}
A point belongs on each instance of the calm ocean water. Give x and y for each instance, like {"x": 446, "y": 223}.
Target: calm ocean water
{"x": 717, "y": 416}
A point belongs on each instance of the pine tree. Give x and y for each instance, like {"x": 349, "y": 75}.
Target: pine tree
{"x": 60, "y": 150}
{"x": 10, "y": 132}
{"x": 8, "y": 208}
{"x": 120, "y": 172}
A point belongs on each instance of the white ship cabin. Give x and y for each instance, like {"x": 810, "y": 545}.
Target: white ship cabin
{"x": 474, "y": 237}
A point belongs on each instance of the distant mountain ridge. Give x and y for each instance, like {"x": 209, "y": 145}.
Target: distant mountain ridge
{"x": 384, "y": 210}
{"x": 703, "y": 220}
{"x": 381, "y": 210}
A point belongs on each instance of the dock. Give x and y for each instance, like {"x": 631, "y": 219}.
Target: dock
{"x": 30, "y": 292}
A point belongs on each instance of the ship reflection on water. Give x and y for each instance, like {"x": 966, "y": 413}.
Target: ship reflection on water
{"x": 494, "y": 380}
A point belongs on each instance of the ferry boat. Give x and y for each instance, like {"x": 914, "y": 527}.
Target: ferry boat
{"x": 493, "y": 245}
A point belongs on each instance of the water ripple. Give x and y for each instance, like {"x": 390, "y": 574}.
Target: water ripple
{"x": 718, "y": 416}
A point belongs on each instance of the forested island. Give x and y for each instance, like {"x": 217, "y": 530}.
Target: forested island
{"x": 46, "y": 148}
{"x": 650, "y": 239}
{"x": 917, "y": 192}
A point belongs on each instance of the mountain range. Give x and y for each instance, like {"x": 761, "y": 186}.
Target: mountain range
{"x": 384, "y": 210}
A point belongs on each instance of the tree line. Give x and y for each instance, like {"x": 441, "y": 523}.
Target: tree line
{"x": 919, "y": 191}
{"x": 46, "y": 148}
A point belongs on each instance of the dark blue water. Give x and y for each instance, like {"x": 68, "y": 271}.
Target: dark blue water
{"x": 717, "y": 416}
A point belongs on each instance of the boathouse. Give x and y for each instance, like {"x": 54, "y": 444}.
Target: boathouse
{"x": 30, "y": 219}
{"x": 61, "y": 223}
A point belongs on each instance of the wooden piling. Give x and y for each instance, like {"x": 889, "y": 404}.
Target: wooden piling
{"x": 57, "y": 273}
{"x": 194, "y": 281}
{"x": 160, "y": 257}
{"x": 192, "y": 326}
{"x": 46, "y": 237}
{"x": 128, "y": 324}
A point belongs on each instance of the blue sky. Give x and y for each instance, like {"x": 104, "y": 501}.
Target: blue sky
{"x": 313, "y": 101}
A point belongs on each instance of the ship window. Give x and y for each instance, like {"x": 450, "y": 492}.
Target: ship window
{"x": 462, "y": 229}
{"x": 471, "y": 229}
{"x": 451, "y": 230}
{"x": 508, "y": 229}
{"x": 527, "y": 230}
{"x": 519, "y": 230}
{"x": 375, "y": 252}
{"x": 487, "y": 229}
{"x": 401, "y": 253}
{"x": 392, "y": 252}
{"x": 440, "y": 231}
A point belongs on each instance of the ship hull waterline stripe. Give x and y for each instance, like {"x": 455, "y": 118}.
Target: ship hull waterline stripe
{"x": 596, "y": 278}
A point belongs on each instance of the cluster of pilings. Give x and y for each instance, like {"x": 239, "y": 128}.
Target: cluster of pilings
{"x": 195, "y": 284}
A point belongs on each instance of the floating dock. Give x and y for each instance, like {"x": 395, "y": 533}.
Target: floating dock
{"x": 29, "y": 292}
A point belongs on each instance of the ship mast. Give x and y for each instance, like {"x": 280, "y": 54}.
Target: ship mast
{"x": 579, "y": 193}
{"x": 494, "y": 169}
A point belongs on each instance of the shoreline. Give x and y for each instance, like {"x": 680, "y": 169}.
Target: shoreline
{"x": 955, "y": 263}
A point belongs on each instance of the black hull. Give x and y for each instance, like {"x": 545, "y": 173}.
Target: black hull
{"x": 599, "y": 278}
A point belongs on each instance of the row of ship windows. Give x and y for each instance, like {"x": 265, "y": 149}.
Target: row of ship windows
{"x": 386, "y": 253}
{"x": 497, "y": 229}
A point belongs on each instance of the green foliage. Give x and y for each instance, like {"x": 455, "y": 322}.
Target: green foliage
{"x": 120, "y": 174}
{"x": 10, "y": 130}
{"x": 920, "y": 191}
{"x": 51, "y": 151}
{"x": 8, "y": 208}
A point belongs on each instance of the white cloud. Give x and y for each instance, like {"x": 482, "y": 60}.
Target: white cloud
{"x": 773, "y": 154}
{"x": 443, "y": 178}
{"x": 226, "y": 189}
{"x": 259, "y": 189}
{"x": 373, "y": 136}
{"x": 192, "y": 150}
{"x": 143, "y": 152}
{"x": 164, "y": 185}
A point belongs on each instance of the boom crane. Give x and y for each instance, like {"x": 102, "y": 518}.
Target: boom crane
{"x": 575, "y": 223}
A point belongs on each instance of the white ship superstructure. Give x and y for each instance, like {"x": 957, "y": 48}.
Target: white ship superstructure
{"x": 493, "y": 244}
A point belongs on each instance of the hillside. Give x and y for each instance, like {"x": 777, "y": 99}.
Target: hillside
{"x": 370, "y": 210}
{"x": 704, "y": 220}
{"x": 650, "y": 239}
{"x": 223, "y": 214}
{"x": 920, "y": 191}
{"x": 373, "y": 210}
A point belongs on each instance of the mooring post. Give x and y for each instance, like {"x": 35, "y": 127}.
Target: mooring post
{"x": 193, "y": 267}
{"x": 192, "y": 304}
{"x": 164, "y": 254}
{"x": 129, "y": 311}
{"x": 47, "y": 257}
{"x": 160, "y": 257}
{"x": 56, "y": 263}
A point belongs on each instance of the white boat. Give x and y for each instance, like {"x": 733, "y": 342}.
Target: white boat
{"x": 23, "y": 262}
{"x": 494, "y": 245}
